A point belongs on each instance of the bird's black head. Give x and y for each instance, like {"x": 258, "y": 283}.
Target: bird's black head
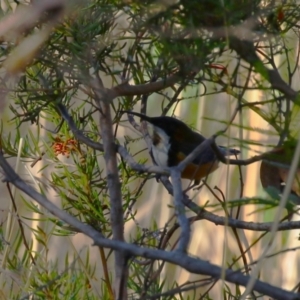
{"x": 173, "y": 128}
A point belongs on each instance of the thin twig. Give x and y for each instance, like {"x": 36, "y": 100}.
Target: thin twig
{"x": 20, "y": 224}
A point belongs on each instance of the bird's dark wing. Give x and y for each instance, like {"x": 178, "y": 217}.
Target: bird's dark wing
{"x": 185, "y": 148}
{"x": 207, "y": 155}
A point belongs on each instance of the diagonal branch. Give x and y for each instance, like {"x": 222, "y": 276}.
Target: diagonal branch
{"x": 194, "y": 265}
{"x": 78, "y": 134}
{"x": 246, "y": 50}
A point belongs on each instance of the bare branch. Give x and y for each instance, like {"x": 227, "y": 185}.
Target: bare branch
{"x": 114, "y": 188}
{"x": 180, "y": 210}
{"x": 77, "y": 132}
{"x": 126, "y": 89}
{"x": 194, "y": 265}
{"x": 201, "y": 148}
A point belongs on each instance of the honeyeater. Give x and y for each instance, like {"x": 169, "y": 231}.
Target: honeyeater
{"x": 173, "y": 140}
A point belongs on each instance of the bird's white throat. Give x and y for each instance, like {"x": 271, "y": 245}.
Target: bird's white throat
{"x": 160, "y": 147}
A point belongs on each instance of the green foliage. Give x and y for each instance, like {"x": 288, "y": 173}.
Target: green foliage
{"x": 134, "y": 42}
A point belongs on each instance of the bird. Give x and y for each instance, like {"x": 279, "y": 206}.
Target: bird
{"x": 173, "y": 140}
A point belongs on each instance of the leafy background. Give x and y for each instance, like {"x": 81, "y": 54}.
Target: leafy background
{"x": 55, "y": 60}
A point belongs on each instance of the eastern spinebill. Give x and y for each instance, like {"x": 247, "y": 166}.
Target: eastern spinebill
{"x": 173, "y": 140}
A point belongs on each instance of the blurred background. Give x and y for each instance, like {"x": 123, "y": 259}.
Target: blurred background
{"x": 206, "y": 106}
